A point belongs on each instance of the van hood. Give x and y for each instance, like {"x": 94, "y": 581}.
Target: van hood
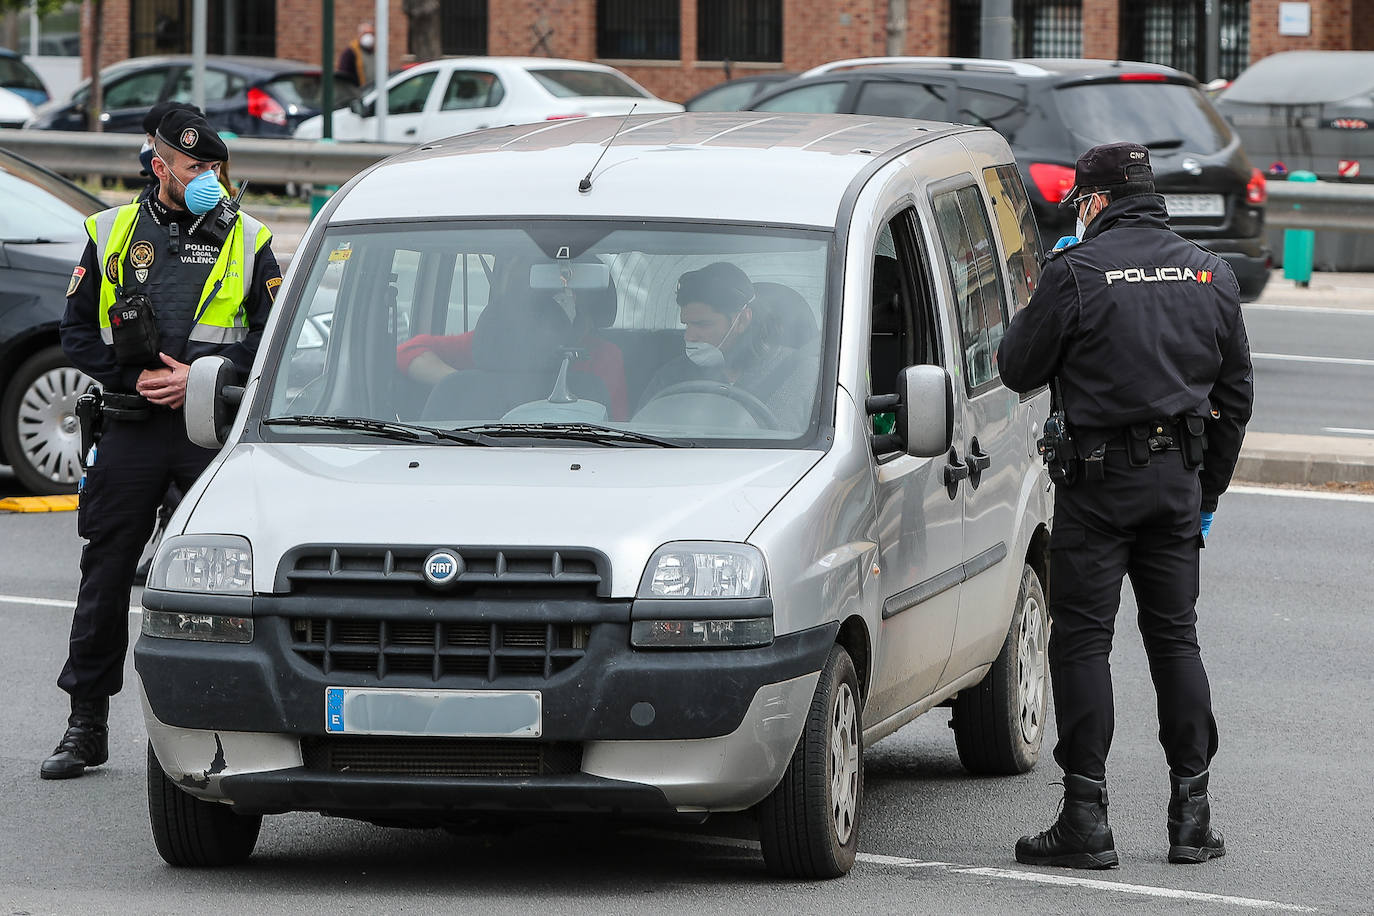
{"x": 624, "y": 502}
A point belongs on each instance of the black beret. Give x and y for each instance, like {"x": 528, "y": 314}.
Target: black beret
{"x": 159, "y": 111}
{"x": 192, "y": 135}
{"x": 721, "y": 285}
{"x": 1110, "y": 165}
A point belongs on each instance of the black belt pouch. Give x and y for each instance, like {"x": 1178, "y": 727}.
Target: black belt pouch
{"x": 133, "y": 327}
{"x": 1138, "y": 444}
{"x": 1194, "y": 443}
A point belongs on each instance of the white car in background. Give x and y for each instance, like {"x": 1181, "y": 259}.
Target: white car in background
{"x": 15, "y": 109}
{"x": 454, "y": 95}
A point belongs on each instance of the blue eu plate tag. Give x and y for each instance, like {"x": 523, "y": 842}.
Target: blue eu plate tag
{"x": 334, "y": 709}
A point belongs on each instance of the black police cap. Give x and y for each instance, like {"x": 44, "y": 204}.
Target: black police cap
{"x": 159, "y": 111}
{"x": 1110, "y": 165}
{"x": 192, "y": 135}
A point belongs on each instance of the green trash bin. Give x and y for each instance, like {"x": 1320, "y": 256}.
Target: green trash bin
{"x": 1299, "y": 244}
{"x": 320, "y": 194}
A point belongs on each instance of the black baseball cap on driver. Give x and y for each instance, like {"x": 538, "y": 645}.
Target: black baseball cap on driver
{"x": 1107, "y": 166}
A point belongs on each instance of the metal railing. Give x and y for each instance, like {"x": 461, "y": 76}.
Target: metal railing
{"x": 275, "y": 162}
{"x": 1320, "y": 205}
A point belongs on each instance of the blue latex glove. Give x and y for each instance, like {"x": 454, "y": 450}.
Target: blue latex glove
{"x": 1207, "y": 522}
{"x": 1067, "y": 241}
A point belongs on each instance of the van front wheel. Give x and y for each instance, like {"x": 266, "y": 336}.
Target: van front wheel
{"x": 193, "y": 833}
{"x": 1000, "y": 722}
{"x": 809, "y": 824}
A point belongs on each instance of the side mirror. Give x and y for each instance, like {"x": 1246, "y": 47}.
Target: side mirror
{"x": 211, "y": 402}
{"x": 924, "y": 406}
{"x": 356, "y": 106}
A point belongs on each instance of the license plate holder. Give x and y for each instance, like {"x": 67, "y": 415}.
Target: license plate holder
{"x": 1194, "y": 205}
{"x": 433, "y": 713}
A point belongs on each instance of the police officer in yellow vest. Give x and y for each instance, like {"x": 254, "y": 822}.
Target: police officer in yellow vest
{"x": 179, "y": 275}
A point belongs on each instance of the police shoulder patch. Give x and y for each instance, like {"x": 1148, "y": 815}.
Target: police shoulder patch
{"x": 77, "y": 276}
{"x": 272, "y": 285}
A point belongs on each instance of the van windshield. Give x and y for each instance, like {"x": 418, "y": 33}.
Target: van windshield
{"x": 688, "y": 334}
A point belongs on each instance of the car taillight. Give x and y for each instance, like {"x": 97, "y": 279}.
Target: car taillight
{"x": 564, "y": 117}
{"x": 1143, "y": 78}
{"x": 1255, "y": 191}
{"x": 265, "y": 108}
{"x": 1052, "y": 181}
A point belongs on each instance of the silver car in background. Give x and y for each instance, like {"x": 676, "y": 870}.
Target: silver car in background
{"x": 546, "y": 585}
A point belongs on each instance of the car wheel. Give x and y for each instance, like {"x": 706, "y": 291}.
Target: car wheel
{"x": 38, "y": 423}
{"x": 193, "y": 833}
{"x": 1000, "y": 722}
{"x": 809, "y": 824}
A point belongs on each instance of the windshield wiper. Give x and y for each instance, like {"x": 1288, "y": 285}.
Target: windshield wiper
{"x": 32, "y": 241}
{"x": 580, "y": 432}
{"x": 406, "y": 432}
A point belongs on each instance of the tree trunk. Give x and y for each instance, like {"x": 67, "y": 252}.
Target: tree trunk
{"x": 423, "y": 31}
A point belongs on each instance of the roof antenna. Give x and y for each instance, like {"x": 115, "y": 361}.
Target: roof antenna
{"x": 585, "y": 184}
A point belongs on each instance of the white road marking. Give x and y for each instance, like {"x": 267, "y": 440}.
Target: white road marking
{"x": 1332, "y": 360}
{"x": 1146, "y": 890}
{"x": 1320, "y": 310}
{"x": 1348, "y": 431}
{"x": 54, "y": 602}
{"x": 1301, "y": 494}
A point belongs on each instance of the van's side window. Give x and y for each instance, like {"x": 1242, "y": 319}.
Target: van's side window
{"x": 972, "y": 262}
{"x": 904, "y": 330}
{"x": 1011, "y": 211}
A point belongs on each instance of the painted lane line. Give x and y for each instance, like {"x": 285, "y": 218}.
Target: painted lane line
{"x": 1330, "y": 360}
{"x": 1301, "y": 494}
{"x": 869, "y": 858}
{"x": 1316, "y": 309}
{"x": 1348, "y": 431}
{"x": 1145, "y": 890}
{"x": 54, "y": 602}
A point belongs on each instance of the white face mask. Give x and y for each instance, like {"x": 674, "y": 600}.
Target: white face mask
{"x": 710, "y": 356}
{"x": 1079, "y": 228}
{"x": 367, "y": 42}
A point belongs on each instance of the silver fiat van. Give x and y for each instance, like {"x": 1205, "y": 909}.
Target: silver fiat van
{"x": 650, "y": 468}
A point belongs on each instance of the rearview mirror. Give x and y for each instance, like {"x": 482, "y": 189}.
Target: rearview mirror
{"x": 582, "y": 275}
{"x": 211, "y": 402}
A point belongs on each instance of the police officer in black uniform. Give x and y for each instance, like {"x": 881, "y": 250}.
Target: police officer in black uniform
{"x": 1140, "y": 333}
{"x": 176, "y": 276}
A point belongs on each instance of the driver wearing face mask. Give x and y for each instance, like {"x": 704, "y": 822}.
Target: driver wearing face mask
{"x": 728, "y": 339}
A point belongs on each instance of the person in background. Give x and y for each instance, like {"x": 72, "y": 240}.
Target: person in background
{"x": 356, "y": 64}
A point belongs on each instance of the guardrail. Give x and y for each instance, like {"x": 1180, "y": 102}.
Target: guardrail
{"x": 1320, "y": 205}
{"x": 265, "y": 161}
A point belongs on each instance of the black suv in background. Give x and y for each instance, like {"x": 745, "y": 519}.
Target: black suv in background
{"x": 1052, "y": 110}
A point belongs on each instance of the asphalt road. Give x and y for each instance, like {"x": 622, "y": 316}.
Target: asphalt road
{"x": 1286, "y": 632}
{"x": 1314, "y": 369}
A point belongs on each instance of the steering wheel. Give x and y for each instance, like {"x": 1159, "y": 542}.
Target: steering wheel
{"x": 762, "y": 414}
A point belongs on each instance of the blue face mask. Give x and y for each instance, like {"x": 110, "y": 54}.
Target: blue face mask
{"x": 203, "y": 192}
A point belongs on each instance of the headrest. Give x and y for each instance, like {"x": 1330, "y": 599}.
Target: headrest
{"x": 786, "y": 314}
{"x": 521, "y": 336}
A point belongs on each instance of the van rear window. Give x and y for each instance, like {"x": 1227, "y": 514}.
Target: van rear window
{"x": 1160, "y": 115}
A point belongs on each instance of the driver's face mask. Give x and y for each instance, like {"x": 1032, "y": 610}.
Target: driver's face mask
{"x": 707, "y": 355}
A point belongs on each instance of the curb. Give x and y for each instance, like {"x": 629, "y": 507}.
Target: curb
{"x": 1278, "y": 458}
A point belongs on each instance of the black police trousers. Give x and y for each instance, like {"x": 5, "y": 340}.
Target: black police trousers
{"x": 1141, "y": 522}
{"x": 135, "y": 462}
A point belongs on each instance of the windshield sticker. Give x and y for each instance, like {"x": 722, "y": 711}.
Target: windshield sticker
{"x": 340, "y": 254}
{"x": 77, "y": 274}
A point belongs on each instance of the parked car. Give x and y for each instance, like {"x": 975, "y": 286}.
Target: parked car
{"x": 1309, "y": 110}
{"x": 1051, "y": 111}
{"x": 735, "y": 94}
{"x": 15, "y": 110}
{"x": 248, "y": 96}
{"x": 18, "y": 77}
{"x": 454, "y": 95}
{"x": 494, "y": 596}
{"x": 41, "y": 240}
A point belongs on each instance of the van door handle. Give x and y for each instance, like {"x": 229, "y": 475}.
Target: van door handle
{"x": 955, "y": 471}
{"x": 978, "y": 463}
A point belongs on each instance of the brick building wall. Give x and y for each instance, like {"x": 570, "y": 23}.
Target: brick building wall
{"x": 1101, "y": 20}
{"x": 1332, "y": 28}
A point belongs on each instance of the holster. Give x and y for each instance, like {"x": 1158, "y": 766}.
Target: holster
{"x": 1194, "y": 440}
{"x": 88, "y": 417}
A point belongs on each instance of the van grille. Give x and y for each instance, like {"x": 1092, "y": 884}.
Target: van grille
{"x": 440, "y": 756}
{"x": 322, "y": 569}
{"x": 437, "y": 650}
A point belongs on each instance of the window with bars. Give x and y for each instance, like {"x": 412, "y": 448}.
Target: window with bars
{"x": 463, "y": 26}
{"x": 739, "y": 30}
{"x": 638, "y": 29}
{"x": 1168, "y": 32}
{"x": 1235, "y": 38}
{"x": 164, "y": 27}
{"x": 1042, "y": 28}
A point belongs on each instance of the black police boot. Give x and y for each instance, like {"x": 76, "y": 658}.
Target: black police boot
{"x": 86, "y": 743}
{"x": 1080, "y": 837}
{"x": 1191, "y": 837}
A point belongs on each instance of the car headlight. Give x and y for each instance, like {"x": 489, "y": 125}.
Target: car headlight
{"x": 697, "y": 569}
{"x": 703, "y": 595}
{"x": 207, "y": 627}
{"x": 207, "y": 564}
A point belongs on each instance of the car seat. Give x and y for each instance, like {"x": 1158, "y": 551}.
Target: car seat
{"x": 788, "y": 317}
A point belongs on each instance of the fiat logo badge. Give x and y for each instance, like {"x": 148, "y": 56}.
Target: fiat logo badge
{"x": 442, "y": 568}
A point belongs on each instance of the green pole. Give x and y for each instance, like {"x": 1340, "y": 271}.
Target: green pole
{"x": 327, "y": 70}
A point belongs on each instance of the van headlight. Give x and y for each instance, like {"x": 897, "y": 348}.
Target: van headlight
{"x": 703, "y": 595}
{"x": 206, "y": 564}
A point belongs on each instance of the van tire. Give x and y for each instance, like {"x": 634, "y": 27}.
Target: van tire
{"x": 192, "y": 833}
{"x": 809, "y": 824}
{"x": 999, "y": 723}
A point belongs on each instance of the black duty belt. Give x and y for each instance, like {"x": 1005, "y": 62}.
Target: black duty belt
{"x": 118, "y": 406}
